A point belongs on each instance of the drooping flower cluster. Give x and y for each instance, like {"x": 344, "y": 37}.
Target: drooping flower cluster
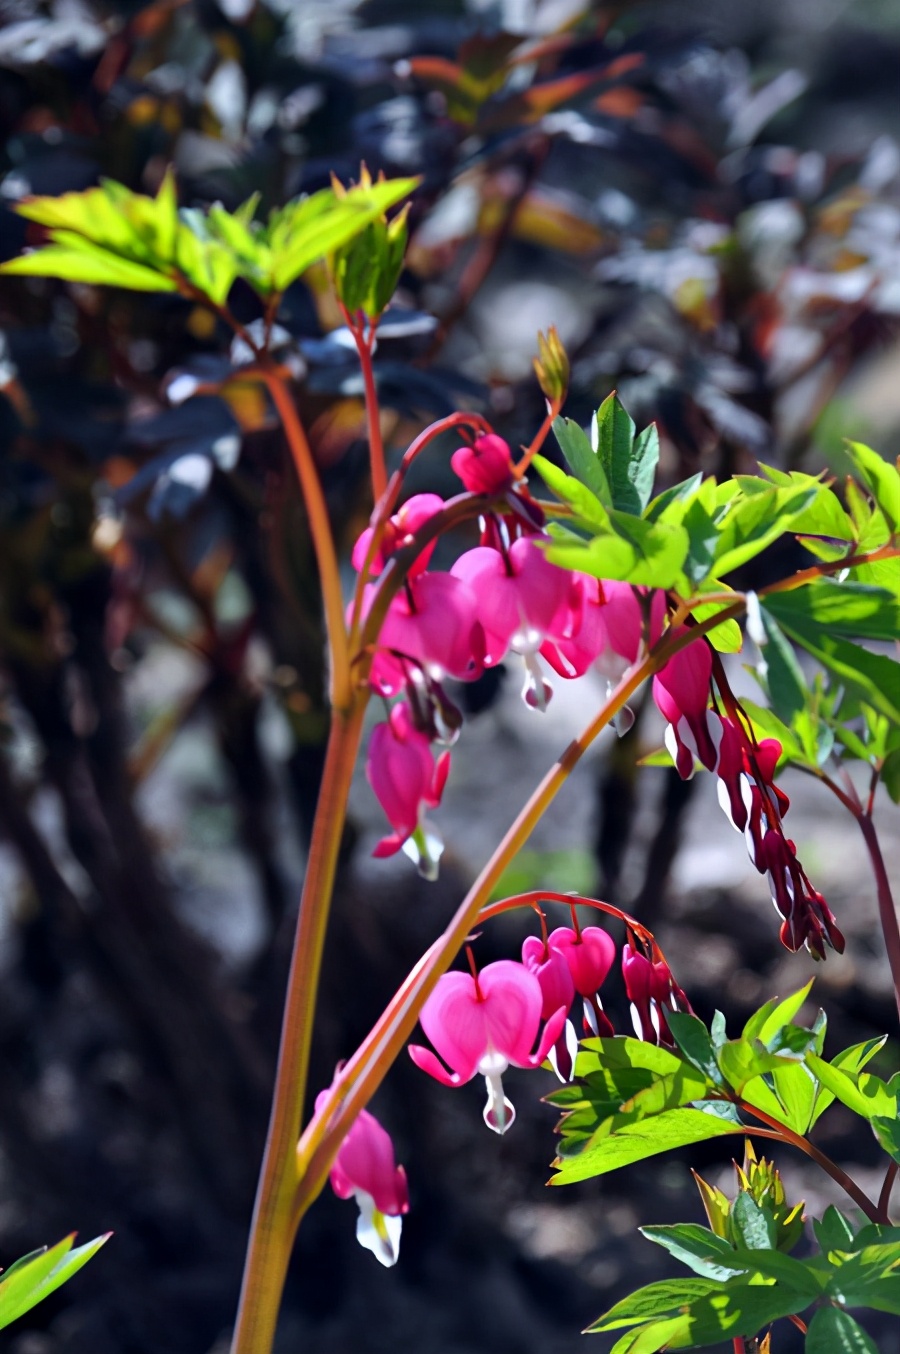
{"x": 505, "y": 597}
{"x": 501, "y": 597}
{"x": 752, "y": 802}
{"x": 483, "y": 1023}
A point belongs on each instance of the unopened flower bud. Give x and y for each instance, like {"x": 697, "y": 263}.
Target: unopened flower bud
{"x": 551, "y": 366}
{"x": 486, "y": 467}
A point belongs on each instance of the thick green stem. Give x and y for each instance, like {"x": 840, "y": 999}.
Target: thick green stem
{"x": 274, "y": 1216}
{"x": 886, "y": 909}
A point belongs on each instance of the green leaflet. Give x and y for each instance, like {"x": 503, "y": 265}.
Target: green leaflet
{"x": 786, "y": 685}
{"x": 694, "y": 1041}
{"x": 112, "y": 236}
{"x": 834, "y": 1332}
{"x": 850, "y": 1060}
{"x": 635, "y": 1142}
{"x": 582, "y": 459}
{"x": 630, "y": 550}
{"x": 873, "y": 676}
{"x": 833, "y": 1231}
{"x": 656, "y": 1299}
{"x": 854, "y": 610}
{"x": 629, "y": 466}
{"x": 880, "y": 478}
{"x": 754, "y": 520}
{"x": 738, "y": 1308}
{"x": 616, "y": 466}
{"x": 868, "y": 1096}
{"x": 36, "y": 1276}
{"x": 765, "y": 1023}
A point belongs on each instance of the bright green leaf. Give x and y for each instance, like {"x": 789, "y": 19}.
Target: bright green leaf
{"x": 833, "y": 1231}
{"x": 795, "y": 1088}
{"x": 36, "y": 1276}
{"x": 693, "y": 1039}
{"x": 582, "y": 459}
{"x": 656, "y": 1299}
{"x": 635, "y": 1142}
{"x": 700, "y": 1249}
{"x": 765, "y": 1023}
{"x": 854, "y": 610}
{"x": 880, "y": 478}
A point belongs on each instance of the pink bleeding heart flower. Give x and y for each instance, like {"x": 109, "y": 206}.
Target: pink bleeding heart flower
{"x": 577, "y": 634}
{"x": 399, "y": 531}
{"x": 589, "y": 954}
{"x": 482, "y": 1025}
{"x": 557, "y": 990}
{"x": 681, "y": 692}
{"x": 433, "y": 621}
{"x": 519, "y": 593}
{"x": 365, "y": 1170}
{"x": 626, "y": 613}
{"x": 652, "y": 991}
{"x": 486, "y": 467}
{"x": 406, "y": 780}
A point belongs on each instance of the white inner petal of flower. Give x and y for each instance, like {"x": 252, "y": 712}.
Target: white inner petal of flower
{"x": 498, "y": 1111}
{"x": 376, "y": 1231}
{"x": 725, "y": 803}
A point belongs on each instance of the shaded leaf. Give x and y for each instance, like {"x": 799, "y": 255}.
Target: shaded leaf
{"x": 835, "y": 1332}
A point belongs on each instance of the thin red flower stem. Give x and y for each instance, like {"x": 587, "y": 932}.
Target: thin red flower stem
{"x": 386, "y": 503}
{"x": 884, "y": 1198}
{"x": 828, "y": 567}
{"x": 322, "y": 538}
{"x": 533, "y": 897}
{"x": 538, "y": 440}
{"x": 365, "y": 346}
{"x": 796, "y": 1321}
{"x": 887, "y": 911}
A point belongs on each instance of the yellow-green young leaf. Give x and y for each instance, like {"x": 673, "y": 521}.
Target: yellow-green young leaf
{"x": 661, "y": 1133}
{"x": 756, "y": 518}
{"x": 307, "y": 230}
{"x": 656, "y": 1299}
{"x": 880, "y": 478}
{"x": 649, "y": 1339}
{"x": 765, "y": 1023}
{"x": 36, "y": 1276}
{"x": 727, "y": 637}
{"x": 86, "y": 264}
{"x": 796, "y": 1088}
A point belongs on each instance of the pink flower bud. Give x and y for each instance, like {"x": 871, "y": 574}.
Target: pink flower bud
{"x": 486, "y": 467}
{"x": 399, "y": 531}
{"x": 589, "y": 956}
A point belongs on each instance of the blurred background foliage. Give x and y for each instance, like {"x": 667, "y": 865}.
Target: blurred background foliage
{"x": 705, "y": 199}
